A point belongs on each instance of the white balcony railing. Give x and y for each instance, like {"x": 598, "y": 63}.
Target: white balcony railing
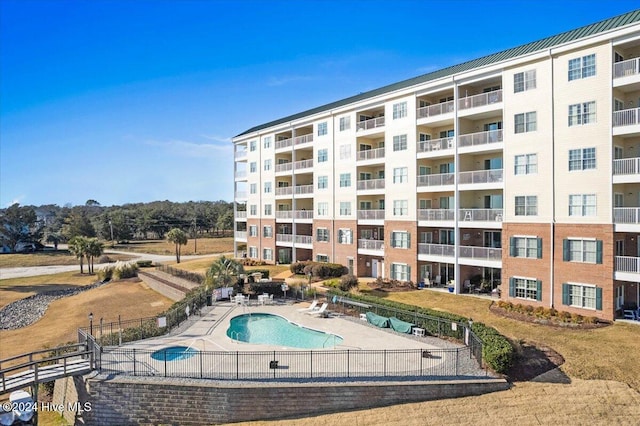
{"x": 370, "y": 124}
{"x": 480, "y": 138}
{"x": 371, "y": 244}
{"x": 437, "y": 109}
{"x": 284, "y": 190}
{"x": 626, "y": 68}
{"x": 285, "y": 143}
{"x": 241, "y": 235}
{"x": 473, "y": 252}
{"x": 480, "y": 176}
{"x": 629, "y": 215}
{"x": 435, "y": 145}
{"x": 371, "y": 214}
{"x": 444, "y": 250}
{"x": 304, "y": 189}
{"x": 480, "y": 215}
{"x": 284, "y": 214}
{"x": 241, "y": 174}
{"x": 298, "y": 140}
{"x": 303, "y": 164}
{"x": 436, "y": 179}
{"x": 284, "y": 238}
{"x": 626, "y": 117}
{"x": 304, "y": 239}
{"x": 284, "y": 167}
{"x": 626, "y": 166}
{"x": 303, "y": 214}
{"x": 370, "y": 184}
{"x": 435, "y": 214}
{"x": 370, "y": 154}
{"x": 241, "y": 214}
{"x": 627, "y": 264}
{"x": 480, "y": 100}
{"x": 241, "y": 155}
{"x": 240, "y": 195}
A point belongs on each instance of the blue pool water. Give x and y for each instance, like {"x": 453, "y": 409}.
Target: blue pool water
{"x": 174, "y": 353}
{"x": 275, "y": 330}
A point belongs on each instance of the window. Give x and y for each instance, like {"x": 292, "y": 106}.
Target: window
{"x": 345, "y": 208}
{"x": 322, "y": 258}
{"x": 345, "y": 180}
{"x": 582, "y": 205}
{"x": 582, "y": 250}
{"x": 400, "y": 240}
{"x": 345, "y": 123}
{"x": 530, "y": 247}
{"x": 399, "y": 110}
{"x": 400, "y": 271}
{"x": 267, "y": 231}
{"x": 524, "y": 81}
{"x": 252, "y": 146}
{"x": 400, "y": 175}
{"x": 583, "y": 113}
{"x": 267, "y": 165}
{"x": 582, "y": 67}
{"x": 267, "y": 254}
{"x": 267, "y": 187}
{"x": 323, "y": 182}
{"x": 323, "y": 209}
{"x": 322, "y": 128}
{"x": 266, "y": 142}
{"x": 253, "y": 230}
{"x": 525, "y": 288}
{"x": 582, "y": 296}
{"x": 322, "y": 235}
{"x": 345, "y": 152}
{"x": 400, "y": 207}
{"x": 525, "y": 122}
{"x": 253, "y": 167}
{"x": 267, "y": 209}
{"x": 400, "y": 143}
{"x": 526, "y": 205}
{"x": 345, "y": 236}
{"x": 253, "y": 210}
{"x": 582, "y": 159}
{"x": 253, "y": 188}
{"x": 323, "y": 155}
{"x": 253, "y": 252}
{"x": 526, "y": 164}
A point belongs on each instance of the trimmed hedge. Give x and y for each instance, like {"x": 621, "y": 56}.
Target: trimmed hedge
{"x": 319, "y": 269}
{"x": 497, "y": 351}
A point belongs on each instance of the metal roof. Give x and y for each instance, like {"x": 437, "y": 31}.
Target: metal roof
{"x": 545, "y": 43}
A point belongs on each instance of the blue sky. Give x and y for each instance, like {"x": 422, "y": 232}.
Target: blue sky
{"x": 136, "y": 101}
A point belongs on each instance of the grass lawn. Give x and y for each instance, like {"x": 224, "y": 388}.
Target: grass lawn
{"x": 205, "y": 246}
{"x": 47, "y": 258}
{"x": 201, "y": 266}
{"x": 18, "y": 288}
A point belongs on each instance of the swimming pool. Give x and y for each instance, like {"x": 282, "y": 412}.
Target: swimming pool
{"x": 174, "y": 353}
{"x": 278, "y": 331}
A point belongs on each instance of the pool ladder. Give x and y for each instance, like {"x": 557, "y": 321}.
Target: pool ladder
{"x": 237, "y": 334}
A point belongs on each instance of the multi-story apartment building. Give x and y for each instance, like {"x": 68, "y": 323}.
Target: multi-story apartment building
{"x": 522, "y": 167}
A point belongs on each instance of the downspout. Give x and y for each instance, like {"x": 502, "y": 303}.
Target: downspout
{"x": 294, "y": 201}
{"x": 553, "y": 192}
{"x": 456, "y": 194}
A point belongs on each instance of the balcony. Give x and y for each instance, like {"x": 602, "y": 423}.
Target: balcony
{"x": 626, "y": 219}
{"x": 485, "y": 179}
{"x": 241, "y": 195}
{"x": 370, "y": 154}
{"x": 241, "y": 155}
{"x": 283, "y": 167}
{"x": 370, "y": 214}
{"x": 436, "y": 215}
{"x": 304, "y": 239}
{"x": 241, "y": 214}
{"x": 300, "y": 140}
{"x": 626, "y": 68}
{"x": 284, "y": 238}
{"x": 370, "y": 184}
{"x": 438, "y": 250}
{"x": 294, "y": 214}
{"x": 627, "y": 268}
{"x": 303, "y": 164}
{"x": 303, "y": 190}
{"x": 625, "y": 122}
{"x": 435, "y": 110}
{"x": 377, "y": 245}
{"x": 435, "y": 146}
{"x": 242, "y": 174}
{"x": 438, "y": 179}
{"x": 372, "y": 123}
{"x": 285, "y": 143}
{"x": 480, "y": 100}
{"x": 480, "y": 215}
{"x": 241, "y": 235}
{"x": 480, "y": 256}
{"x": 626, "y": 170}
{"x": 284, "y": 191}
{"x": 480, "y": 139}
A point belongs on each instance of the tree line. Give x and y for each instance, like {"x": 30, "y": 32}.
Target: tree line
{"x": 138, "y": 221}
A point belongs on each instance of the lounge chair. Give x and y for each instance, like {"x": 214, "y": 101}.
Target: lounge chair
{"x": 629, "y": 314}
{"x": 310, "y": 308}
{"x": 318, "y": 311}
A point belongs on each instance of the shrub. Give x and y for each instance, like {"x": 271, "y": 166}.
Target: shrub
{"x": 333, "y": 283}
{"x": 105, "y": 259}
{"x": 106, "y": 273}
{"x": 122, "y": 270}
{"x": 347, "y": 282}
{"x": 318, "y": 269}
{"x": 144, "y": 263}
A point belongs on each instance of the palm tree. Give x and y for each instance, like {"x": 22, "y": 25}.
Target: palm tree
{"x": 94, "y": 249}
{"x": 78, "y": 247}
{"x": 179, "y": 238}
{"x": 223, "y": 272}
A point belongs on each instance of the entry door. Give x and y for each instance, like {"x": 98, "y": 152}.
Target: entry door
{"x": 374, "y": 268}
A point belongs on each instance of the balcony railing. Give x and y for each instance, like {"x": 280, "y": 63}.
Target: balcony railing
{"x": 370, "y": 154}
{"x": 370, "y": 124}
{"x": 284, "y": 238}
{"x": 303, "y": 214}
{"x": 371, "y": 244}
{"x": 626, "y": 117}
{"x": 626, "y": 166}
{"x": 629, "y": 215}
{"x": 371, "y": 184}
{"x": 371, "y": 214}
{"x": 626, "y": 68}
{"x": 480, "y": 176}
{"x": 437, "y": 109}
{"x": 444, "y": 250}
{"x": 435, "y": 145}
{"x": 285, "y": 143}
{"x": 284, "y": 190}
{"x": 480, "y": 215}
{"x": 435, "y": 214}
{"x": 284, "y": 214}
{"x": 303, "y": 189}
{"x": 627, "y": 264}
{"x": 436, "y": 179}
{"x": 241, "y": 155}
{"x": 303, "y": 164}
{"x": 284, "y": 167}
{"x": 304, "y": 239}
{"x": 241, "y": 174}
{"x": 241, "y": 235}
{"x": 480, "y": 138}
{"x": 241, "y": 194}
{"x": 487, "y": 253}
{"x": 480, "y": 100}
{"x": 303, "y": 139}
{"x": 241, "y": 214}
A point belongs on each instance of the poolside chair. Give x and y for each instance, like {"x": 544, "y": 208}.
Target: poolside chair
{"x": 310, "y": 308}
{"x": 318, "y": 311}
{"x": 438, "y": 280}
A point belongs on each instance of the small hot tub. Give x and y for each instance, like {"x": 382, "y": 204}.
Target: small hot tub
{"x": 174, "y": 353}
